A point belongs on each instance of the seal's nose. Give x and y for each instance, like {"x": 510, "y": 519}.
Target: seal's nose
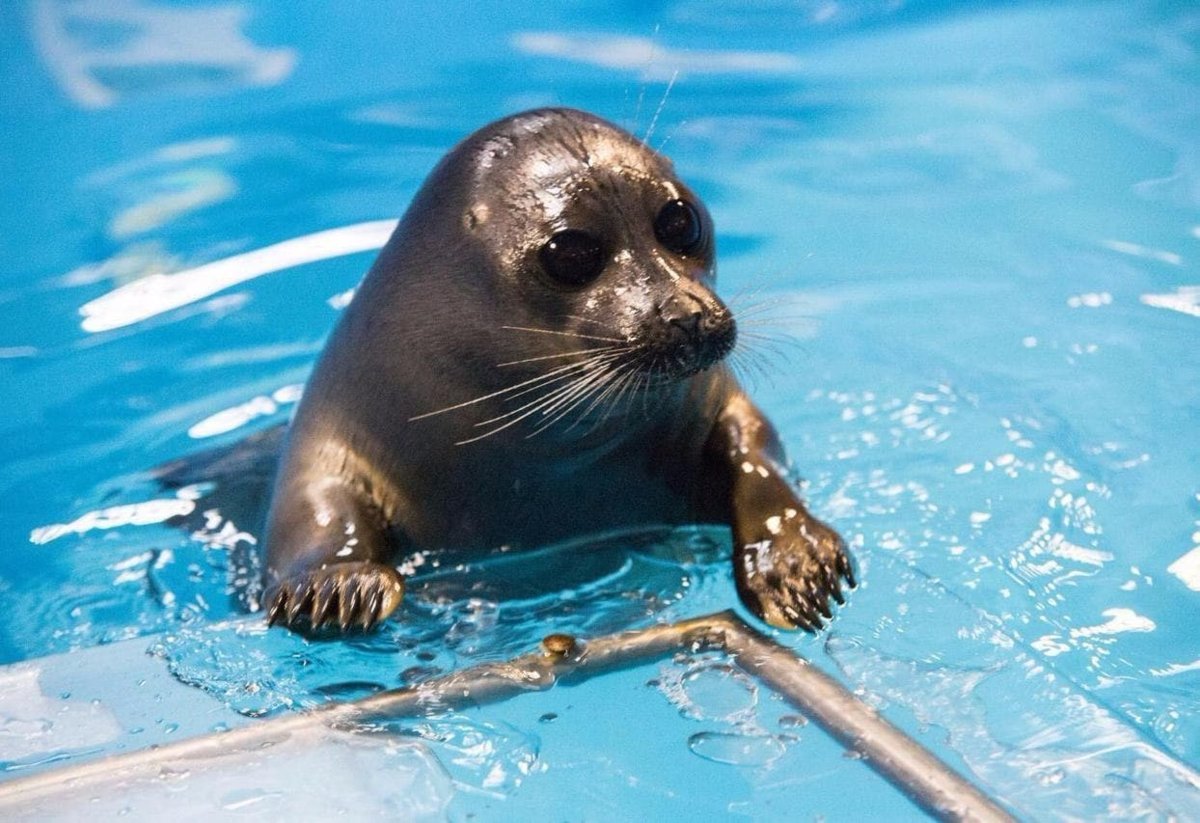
{"x": 699, "y": 328}
{"x": 689, "y": 323}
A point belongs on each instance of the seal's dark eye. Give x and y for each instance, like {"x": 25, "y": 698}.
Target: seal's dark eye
{"x": 678, "y": 227}
{"x": 573, "y": 257}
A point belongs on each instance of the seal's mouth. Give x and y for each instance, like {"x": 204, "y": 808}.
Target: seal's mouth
{"x": 684, "y": 346}
{"x": 604, "y": 375}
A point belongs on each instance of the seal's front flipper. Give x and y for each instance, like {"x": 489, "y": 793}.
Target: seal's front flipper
{"x": 788, "y": 565}
{"x": 329, "y": 555}
{"x": 342, "y": 595}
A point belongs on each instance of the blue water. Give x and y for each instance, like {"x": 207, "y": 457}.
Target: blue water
{"x": 982, "y": 224}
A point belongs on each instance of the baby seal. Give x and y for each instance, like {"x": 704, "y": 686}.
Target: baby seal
{"x": 536, "y": 355}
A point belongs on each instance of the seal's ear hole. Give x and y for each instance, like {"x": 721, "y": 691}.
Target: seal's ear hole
{"x": 678, "y": 227}
{"x": 573, "y": 257}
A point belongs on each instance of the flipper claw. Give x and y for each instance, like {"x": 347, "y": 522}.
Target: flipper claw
{"x": 350, "y": 596}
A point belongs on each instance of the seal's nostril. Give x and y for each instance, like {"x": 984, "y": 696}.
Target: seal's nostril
{"x": 690, "y": 323}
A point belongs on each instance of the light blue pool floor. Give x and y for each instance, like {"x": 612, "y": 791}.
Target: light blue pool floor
{"x": 980, "y": 224}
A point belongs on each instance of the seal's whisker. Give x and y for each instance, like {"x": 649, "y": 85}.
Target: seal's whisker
{"x": 595, "y": 394}
{"x": 541, "y": 404}
{"x": 547, "y": 377}
{"x": 637, "y": 112}
{"x": 627, "y": 371}
{"x": 597, "y": 350}
{"x": 593, "y": 321}
{"x": 656, "y": 379}
{"x": 566, "y": 334}
{"x": 749, "y": 367}
{"x": 631, "y": 388}
{"x": 605, "y": 399}
{"x": 737, "y": 301}
{"x": 533, "y": 406}
{"x": 750, "y": 358}
{"x": 572, "y": 379}
{"x": 782, "y": 346}
{"x": 581, "y": 389}
{"x": 643, "y": 388}
{"x": 767, "y": 313}
{"x": 597, "y": 384}
{"x": 533, "y": 384}
{"x": 653, "y": 52}
{"x": 660, "y": 398}
{"x": 766, "y": 332}
{"x": 612, "y": 396}
{"x": 764, "y": 308}
{"x": 624, "y": 383}
{"x": 775, "y": 324}
{"x": 777, "y": 344}
{"x": 662, "y": 103}
{"x": 766, "y": 354}
{"x": 589, "y": 364}
{"x": 744, "y": 313}
{"x": 657, "y": 367}
{"x": 667, "y": 139}
{"x": 761, "y": 338}
{"x": 615, "y": 378}
{"x": 530, "y": 409}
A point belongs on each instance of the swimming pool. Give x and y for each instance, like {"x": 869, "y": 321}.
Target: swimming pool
{"x": 980, "y": 223}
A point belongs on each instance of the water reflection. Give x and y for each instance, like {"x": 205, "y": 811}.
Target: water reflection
{"x": 1185, "y": 299}
{"x": 103, "y": 51}
{"x": 652, "y": 60}
{"x": 237, "y": 416}
{"x": 159, "y": 293}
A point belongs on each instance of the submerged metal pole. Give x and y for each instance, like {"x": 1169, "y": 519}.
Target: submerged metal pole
{"x": 900, "y": 759}
{"x": 904, "y": 762}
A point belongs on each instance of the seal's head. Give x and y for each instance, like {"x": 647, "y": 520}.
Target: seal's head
{"x": 591, "y": 229}
{"x": 598, "y": 259}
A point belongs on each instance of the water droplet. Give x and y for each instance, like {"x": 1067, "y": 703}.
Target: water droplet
{"x": 711, "y": 691}
{"x": 1051, "y": 777}
{"x": 736, "y": 749}
{"x": 170, "y": 775}
{"x": 792, "y": 721}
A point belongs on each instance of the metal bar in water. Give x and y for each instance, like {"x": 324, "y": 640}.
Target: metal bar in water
{"x": 906, "y": 764}
{"x": 903, "y": 761}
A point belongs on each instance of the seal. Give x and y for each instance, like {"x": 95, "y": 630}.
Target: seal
{"x": 535, "y": 355}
